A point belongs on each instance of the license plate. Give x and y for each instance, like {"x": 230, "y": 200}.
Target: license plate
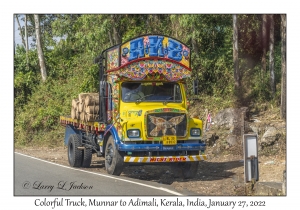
{"x": 169, "y": 140}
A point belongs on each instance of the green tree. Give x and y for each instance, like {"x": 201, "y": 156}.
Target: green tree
{"x": 210, "y": 39}
{"x": 39, "y": 48}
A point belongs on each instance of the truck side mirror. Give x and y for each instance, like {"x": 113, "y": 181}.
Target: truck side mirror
{"x": 195, "y": 87}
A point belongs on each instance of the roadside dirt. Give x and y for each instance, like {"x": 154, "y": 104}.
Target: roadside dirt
{"x": 220, "y": 175}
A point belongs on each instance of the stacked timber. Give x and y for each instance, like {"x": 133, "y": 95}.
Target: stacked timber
{"x": 74, "y": 108}
{"x": 85, "y": 107}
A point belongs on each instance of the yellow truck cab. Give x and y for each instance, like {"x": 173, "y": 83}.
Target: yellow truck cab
{"x": 143, "y": 116}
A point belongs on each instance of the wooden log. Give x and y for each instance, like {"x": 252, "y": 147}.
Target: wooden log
{"x": 73, "y": 113}
{"x": 92, "y": 99}
{"x": 77, "y": 107}
{"x": 92, "y": 109}
{"x": 82, "y": 116}
{"x": 75, "y": 102}
{"x": 77, "y": 115}
{"x": 81, "y": 97}
{"x": 91, "y": 117}
{"x": 81, "y": 107}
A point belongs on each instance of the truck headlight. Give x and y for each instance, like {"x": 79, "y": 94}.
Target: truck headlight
{"x": 195, "y": 132}
{"x": 133, "y": 133}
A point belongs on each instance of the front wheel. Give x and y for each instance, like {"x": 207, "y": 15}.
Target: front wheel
{"x": 114, "y": 162}
{"x": 74, "y": 154}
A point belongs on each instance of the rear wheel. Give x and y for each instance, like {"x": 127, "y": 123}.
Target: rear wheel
{"x": 74, "y": 154}
{"x": 114, "y": 162}
{"x": 87, "y": 157}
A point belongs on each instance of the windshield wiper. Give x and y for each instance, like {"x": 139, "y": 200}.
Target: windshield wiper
{"x": 166, "y": 100}
{"x": 140, "y": 99}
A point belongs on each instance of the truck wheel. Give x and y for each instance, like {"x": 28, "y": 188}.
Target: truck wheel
{"x": 190, "y": 169}
{"x": 74, "y": 154}
{"x": 87, "y": 157}
{"x": 113, "y": 158}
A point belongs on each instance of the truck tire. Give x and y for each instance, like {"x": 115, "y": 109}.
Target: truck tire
{"x": 114, "y": 162}
{"x": 87, "y": 157}
{"x": 189, "y": 169}
{"x": 74, "y": 154}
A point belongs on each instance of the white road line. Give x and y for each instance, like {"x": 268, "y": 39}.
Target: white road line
{"x": 107, "y": 176}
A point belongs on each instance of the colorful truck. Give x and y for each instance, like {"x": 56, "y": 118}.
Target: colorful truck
{"x": 143, "y": 114}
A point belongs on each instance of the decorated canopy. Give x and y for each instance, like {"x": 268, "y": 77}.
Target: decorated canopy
{"x": 149, "y": 55}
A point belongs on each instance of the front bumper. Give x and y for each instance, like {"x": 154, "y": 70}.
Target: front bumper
{"x": 165, "y": 159}
{"x": 160, "y": 147}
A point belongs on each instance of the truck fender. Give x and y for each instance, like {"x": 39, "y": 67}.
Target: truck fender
{"x": 111, "y": 130}
{"x": 70, "y": 129}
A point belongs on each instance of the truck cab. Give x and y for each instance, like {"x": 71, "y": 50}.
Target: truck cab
{"x": 144, "y": 107}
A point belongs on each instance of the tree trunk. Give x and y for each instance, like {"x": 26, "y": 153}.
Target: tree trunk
{"x": 283, "y": 67}
{"x": 271, "y": 57}
{"x": 264, "y": 46}
{"x": 110, "y": 38}
{"x": 116, "y": 35}
{"x": 39, "y": 48}
{"x": 26, "y": 43}
{"x": 21, "y": 32}
{"x": 237, "y": 78}
{"x": 195, "y": 47}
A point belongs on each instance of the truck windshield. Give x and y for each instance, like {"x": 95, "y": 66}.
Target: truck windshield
{"x": 151, "y": 91}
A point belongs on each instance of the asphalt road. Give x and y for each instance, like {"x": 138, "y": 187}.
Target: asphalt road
{"x": 36, "y": 177}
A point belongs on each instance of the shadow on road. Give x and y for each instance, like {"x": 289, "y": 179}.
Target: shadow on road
{"x": 207, "y": 171}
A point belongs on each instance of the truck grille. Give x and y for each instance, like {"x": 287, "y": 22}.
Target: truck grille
{"x": 167, "y": 123}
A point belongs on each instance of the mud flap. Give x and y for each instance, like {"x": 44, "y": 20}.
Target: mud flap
{"x": 69, "y": 131}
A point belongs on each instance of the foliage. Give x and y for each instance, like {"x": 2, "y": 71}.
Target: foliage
{"x": 211, "y": 50}
{"x": 25, "y": 77}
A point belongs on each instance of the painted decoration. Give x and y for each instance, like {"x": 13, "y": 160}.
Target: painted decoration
{"x": 151, "y": 55}
{"x": 112, "y": 60}
{"x": 162, "y": 110}
{"x": 139, "y": 70}
{"x": 155, "y": 46}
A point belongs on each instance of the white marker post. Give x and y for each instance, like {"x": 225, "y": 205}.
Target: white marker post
{"x": 250, "y": 157}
